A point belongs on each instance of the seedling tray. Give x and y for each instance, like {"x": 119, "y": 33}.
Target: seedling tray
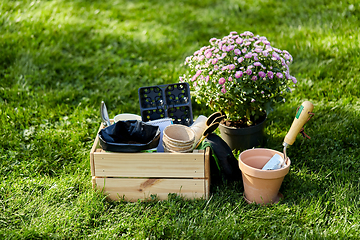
{"x": 162, "y": 101}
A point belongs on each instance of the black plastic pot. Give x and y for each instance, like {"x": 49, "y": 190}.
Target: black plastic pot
{"x": 243, "y": 138}
{"x": 129, "y": 136}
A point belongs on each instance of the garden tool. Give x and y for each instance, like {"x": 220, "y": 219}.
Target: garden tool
{"x": 303, "y": 114}
{"x": 212, "y": 124}
{"x": 104, "y": 115}
{"x": 215, "y": 117}
{"x": 207, "y": 131}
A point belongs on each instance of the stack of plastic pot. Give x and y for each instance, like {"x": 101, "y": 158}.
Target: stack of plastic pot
{"x": 178, "y": 138}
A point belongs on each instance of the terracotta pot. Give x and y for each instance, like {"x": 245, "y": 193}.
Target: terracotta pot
{"x": 261, "y": 186}
{"x": 243, "y": 138}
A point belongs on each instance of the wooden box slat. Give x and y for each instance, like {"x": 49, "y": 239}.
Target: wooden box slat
{"x": 133, "y": 189}
{"x": 160, "y": 165}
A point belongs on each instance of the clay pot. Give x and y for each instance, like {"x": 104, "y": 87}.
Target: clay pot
{"x": 261, "y": 186}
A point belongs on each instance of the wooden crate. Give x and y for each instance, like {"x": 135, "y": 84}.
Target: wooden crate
{"x": 134, "y": 176}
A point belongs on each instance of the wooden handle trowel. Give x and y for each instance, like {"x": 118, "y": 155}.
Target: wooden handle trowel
{"x": 303, "y": 114}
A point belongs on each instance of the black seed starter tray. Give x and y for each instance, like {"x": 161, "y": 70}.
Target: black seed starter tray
{"x": 166, "y": 101}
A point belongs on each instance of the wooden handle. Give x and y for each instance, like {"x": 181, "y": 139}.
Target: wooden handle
{"x": 201, "y": 139}
{"x": 302, "y": 115}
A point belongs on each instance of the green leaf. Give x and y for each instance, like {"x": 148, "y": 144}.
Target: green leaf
{"x": 248, "y": 90}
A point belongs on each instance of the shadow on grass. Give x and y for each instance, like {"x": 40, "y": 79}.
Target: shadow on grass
{"x": 329, "y": 156}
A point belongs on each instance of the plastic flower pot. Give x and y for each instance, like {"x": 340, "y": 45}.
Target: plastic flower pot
{"x": 243, "y": 138}
{"x": 261, "y": 186}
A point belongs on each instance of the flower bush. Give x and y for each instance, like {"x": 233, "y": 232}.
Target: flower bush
{"x": 241, "y": 75}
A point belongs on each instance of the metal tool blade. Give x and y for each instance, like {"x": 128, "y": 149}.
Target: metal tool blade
{"x": 274, "y": 163}
{"x": 104, "y": 114}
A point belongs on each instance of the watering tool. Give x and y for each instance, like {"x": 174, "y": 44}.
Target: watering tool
{"x": 303, "y": 114}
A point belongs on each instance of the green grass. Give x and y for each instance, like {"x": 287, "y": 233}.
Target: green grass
{"x": 59, "y": 59}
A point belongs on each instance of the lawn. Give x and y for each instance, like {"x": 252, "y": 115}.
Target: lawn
{"x": 59, "y": 59}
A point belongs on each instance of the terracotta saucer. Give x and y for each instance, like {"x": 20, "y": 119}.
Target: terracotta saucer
{"x": 277, "y": 199}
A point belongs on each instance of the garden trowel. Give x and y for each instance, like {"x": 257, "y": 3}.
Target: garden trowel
{"x": 303, "y": 114}
{"x": 104, "y": 115}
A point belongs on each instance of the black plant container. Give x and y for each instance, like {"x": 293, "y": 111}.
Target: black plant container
{"x": 243, "y": 138}
{"x": 166, "y": 101}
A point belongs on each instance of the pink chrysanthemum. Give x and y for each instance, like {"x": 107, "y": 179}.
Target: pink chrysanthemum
{"x": 230, "y": 48}
{"x": 238, "y": 74}
{"x": 222, "y": 81}
{"x": 279, "y": 75}
{"x": 212, "y": 40}
{"x": 262, "y": 74}
{"x": 248, "y": 71}
{"x": 208, "y": 53}
{"x": 275, "y": 56}
{"x": 270, "y": 74}
{"x": 239, "y": 40}
{"x": 248, "y": 55}
{"x": 232, "y": 63}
